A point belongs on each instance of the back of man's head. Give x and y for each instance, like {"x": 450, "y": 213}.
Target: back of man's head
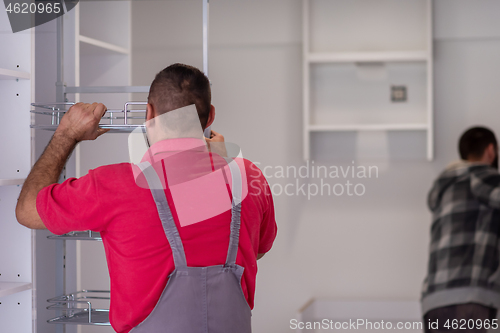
{"x": 474, "y": 142}
{"x": 181, "y": 85}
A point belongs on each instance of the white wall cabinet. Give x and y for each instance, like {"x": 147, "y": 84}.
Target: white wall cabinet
{"x": 16, "y": 241}
{"x": 353, "y": 53}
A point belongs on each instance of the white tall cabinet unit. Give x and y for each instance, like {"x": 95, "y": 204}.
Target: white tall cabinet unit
{"x": 354, "y": 52}
{"x": 96, "y": 57}
{"x": 16, "y": 241}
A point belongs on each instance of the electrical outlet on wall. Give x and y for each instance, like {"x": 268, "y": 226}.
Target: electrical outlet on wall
{"x": 399, "y": 94}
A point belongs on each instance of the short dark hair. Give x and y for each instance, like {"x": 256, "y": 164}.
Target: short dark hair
{"x": 178, "y": 86}
{"x": 474, "y": 142}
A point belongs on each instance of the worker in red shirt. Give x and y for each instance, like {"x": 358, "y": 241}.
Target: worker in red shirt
{"x": 176, "y": 263}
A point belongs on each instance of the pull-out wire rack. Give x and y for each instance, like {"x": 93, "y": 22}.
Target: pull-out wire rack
{"x": 77, "y": 308}
{"x": 123, "y": 120}
{"x": 78, "y": 235}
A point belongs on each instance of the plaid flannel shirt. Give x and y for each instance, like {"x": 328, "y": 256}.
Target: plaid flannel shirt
{"x": 464, "y": 250}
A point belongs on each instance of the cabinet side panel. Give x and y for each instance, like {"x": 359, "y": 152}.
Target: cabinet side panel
{"x": 15, "y": 136}
{"x": 15, "y": 240}
{"x": 15, "y": 312}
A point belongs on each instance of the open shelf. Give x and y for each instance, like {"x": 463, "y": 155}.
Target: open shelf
{"x": 103, "y": 45}
{"x": 9, "y": 288}
{"x": 9, "y": 74}
{"x": 368, "y": 127}
{"x": 356, "y": 56}
{"x": 367, "y": 56}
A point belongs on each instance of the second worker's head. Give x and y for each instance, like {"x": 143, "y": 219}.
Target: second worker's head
{"x": 479, "y": 144}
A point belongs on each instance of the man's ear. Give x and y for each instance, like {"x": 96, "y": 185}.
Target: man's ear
{"x": 490, "y": 152}
{"x": 211, "y": 116}
{"x": 150, "y": 112}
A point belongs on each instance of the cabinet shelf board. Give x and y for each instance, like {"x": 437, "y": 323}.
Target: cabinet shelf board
{"x": 7, "y": 182}
{"x": 103, "y": 45}
{"x": 9, "y": 74}
{"x": 367, "y": 127}
{"x": 9, "y": 288}
{"x": 368, "y": 57}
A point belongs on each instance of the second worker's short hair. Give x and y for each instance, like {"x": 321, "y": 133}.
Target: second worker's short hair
{"x": 474, "y": 142}
{"x": 181, "y": 85}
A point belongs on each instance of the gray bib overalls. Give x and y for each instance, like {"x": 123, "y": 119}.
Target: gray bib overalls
{"x": 199, "y": 299}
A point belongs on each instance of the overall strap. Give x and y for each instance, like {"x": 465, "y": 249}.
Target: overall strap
{"x": 235, "y": 211}
{"x": 165, "y": 214}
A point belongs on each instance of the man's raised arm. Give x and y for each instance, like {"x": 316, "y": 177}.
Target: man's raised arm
{"x": 81, "y": 122}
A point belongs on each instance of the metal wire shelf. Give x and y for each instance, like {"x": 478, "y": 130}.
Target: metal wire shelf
{"x": 77, "y": 308}
{"x": 116, "y": 120}
{"x": 78, "y": 235}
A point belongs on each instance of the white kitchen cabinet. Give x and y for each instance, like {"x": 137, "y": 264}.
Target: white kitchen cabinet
{"x": 354, "y": 53}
